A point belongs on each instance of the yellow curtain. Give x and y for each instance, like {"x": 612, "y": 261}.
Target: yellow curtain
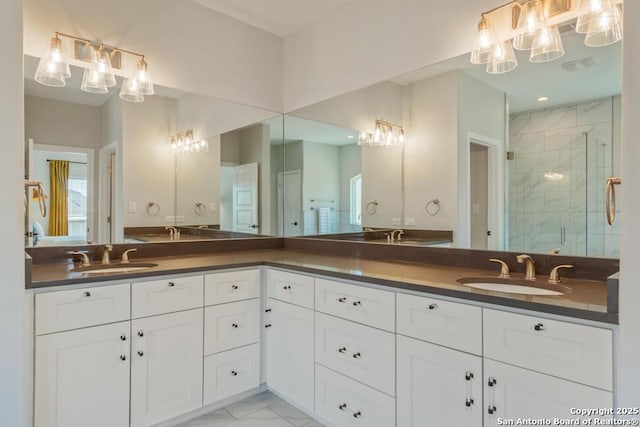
{"x": 58, "y": 205}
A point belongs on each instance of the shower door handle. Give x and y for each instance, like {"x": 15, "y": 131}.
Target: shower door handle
{"x": 563, "y": 235}
{"x": 610, "y": 198}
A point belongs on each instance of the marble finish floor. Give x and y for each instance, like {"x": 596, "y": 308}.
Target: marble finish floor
{"x": 262, "y": 410}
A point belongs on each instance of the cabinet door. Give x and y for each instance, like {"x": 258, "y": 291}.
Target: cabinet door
{"x": 290, "y": 366}
{"x": 437, "y": 386}
{"x": 166, "y": 366}
{"x": 82, "y": 377}
{"x": 512, "y": 393}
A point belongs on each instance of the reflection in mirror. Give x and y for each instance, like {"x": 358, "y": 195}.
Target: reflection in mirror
{"x": 132, "y": 185}
{"x": 557, "y": 123}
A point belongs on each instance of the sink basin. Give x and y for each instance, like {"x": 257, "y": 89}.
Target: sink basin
{"x": 515, "y": 286}
{"x": 113, "y": 268}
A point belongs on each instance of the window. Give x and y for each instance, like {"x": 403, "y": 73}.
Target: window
{"x": 77, "y": 206}
{"x": 355, "y": 197}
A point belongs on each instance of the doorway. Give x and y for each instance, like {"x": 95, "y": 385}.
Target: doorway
{"x": 479, "y": 196}
{"x": 290, "y": 203}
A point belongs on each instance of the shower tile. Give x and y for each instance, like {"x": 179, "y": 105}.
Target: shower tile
{"x": 557, "y": 140}
{"x": 534, "y": 203}
{"x": 556, "y": 118}
{"x": 557, "y": 201}
{"x": 520, "y": 123}
{"x": 612, "y": 246}
{"x": 595, "y": 112}
{"x": 547, "y": 222}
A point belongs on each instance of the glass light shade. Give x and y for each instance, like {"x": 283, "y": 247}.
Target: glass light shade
{"x": 591, "y": 10}
{"x": 53, "y": 67}
{"x": 401, "y": 138}
{"x": 503, "y": 59}
{"x": 485, "y": 40}
{"x": 378, "y": 136}
{"x": 530, "y": 20}
{"x": 390, "y": 138}
{"x": 130, "y": 91}
{"x": 364, "y": 138}
{"x": 605, "y": 29}
{"x": 102, "y": 65}
{"x": 141, "y": 75}
{"x": 92, "y": 82}
{"x": 547, "y": 45}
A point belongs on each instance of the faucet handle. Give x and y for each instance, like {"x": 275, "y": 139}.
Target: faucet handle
{"x": 504, "y": 270}
{"x": 125, "y": 255}
{"x": 108, "y": 248}
{"x": 554, "y": 276}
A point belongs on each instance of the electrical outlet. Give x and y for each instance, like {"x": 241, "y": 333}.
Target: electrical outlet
{"x": 133, "y": 207}
{"x": 409, "y": 221}
{"x": 396, "y": 221}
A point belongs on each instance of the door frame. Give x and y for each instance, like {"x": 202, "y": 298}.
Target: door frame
{"x": 103, "y": 193}
{"x": 495, "y": 189}
{"x": 281, "y": 200}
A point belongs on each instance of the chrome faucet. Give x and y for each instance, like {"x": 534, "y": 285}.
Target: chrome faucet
{"x": 105, "y": 254}
{"x": 530, "y": 264}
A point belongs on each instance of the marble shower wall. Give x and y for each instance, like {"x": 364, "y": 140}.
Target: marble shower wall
{"x": 556, "y": 181}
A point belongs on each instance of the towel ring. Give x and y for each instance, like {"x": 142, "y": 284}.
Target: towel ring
{"x": 199, "y": 208}
{"x": 372, "y": 207}
{"x": 433, "y": 207}
{"x": 152, "y": 209}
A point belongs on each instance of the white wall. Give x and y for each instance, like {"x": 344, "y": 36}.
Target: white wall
{"x": 188, "y": 47}
{"x": 52, "y": 122}
{"x": 15, "y": 367}
{"x": 148, "y": 169}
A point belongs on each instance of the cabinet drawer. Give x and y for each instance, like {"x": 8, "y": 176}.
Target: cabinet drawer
{"x": 360, "y": 352}
{"x": 166, "y": 295}
{"x": 344, "y": 402}
{"x": 445, "y": 323}
{"x": 79, "y": 308}
{"x": 372, "y": 307}
{"x": 231, "y": 286}
{"x": 232, "y": 372}
{"x": 290, "y": 287}
{"x": 575, "y": 352}
{"x": 231, "y": 325}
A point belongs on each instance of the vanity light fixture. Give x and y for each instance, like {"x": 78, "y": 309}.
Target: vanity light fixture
{"x": 53, "y": 68}
{"x": 600, "y": 20}
{"x": 386, "y": 134}
{"x": 184, "y": 142}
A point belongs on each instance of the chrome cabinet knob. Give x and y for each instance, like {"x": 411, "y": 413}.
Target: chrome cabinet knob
{"x": 140, "y": 353}
{"x": 234, "y": 373}
{"x": 342, "y": 350}
{"x": 357, "y": 355}
{"x": 433, "y": 306}
{"x": 123, "y": 337}
{"x": 123, "y": 357}
{"x": 171, "y": 284}
{"x": 357, "y": 303}
{"x": 342, "y": 299}
{"x": 234, "y": 287}
{"x": 539, "y": 327}
{"x": 286, "y": 288}
{"x": 234, "y": 325}
{"x": 87, "y": 294}
{"x": 140, "y": 333}
{"x": 357, "y": 414}
{"x": 342, "y": 406}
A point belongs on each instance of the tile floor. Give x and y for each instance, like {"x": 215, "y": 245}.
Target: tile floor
{"x": 262, "y": 410}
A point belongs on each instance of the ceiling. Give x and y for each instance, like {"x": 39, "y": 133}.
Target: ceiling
{"x": 297, "y": 129}
{"x": 279, "y": 17}
{"x": 530, "y": 81}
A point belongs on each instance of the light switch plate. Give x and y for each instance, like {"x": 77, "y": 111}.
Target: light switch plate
{"x": 396, "y": 221}
{"x": 169, "y": 218}
{"x": 133, "y": 207}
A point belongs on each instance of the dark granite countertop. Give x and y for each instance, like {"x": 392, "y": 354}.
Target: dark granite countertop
{"x": 588, "y": 300}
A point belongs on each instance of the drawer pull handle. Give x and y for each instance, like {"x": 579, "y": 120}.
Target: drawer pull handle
{"x": 342, "y": 299}
{"x": 234, "y": 373}
{"x": 140, "y": 333}
{"x": 357, "y": 355}
{"x": 87, "y": 294}
{"x": 268, "y": 310}
{"x": 342, "y": 406}
{"x": 171, "y": 284}
{"x": 539, "y": 327}
{"x": 357, "y": 414}
{"x": 140, "y": 353}
{"x": 123, "y": 337}
{"x": 234, "y": 287}
{"x": 268, "y": 325}
{"x": 491, "y": 410}
{"x": 356, "y": 303}
{"x": 342, "y": 350}
{"x": 234, "y": 325}
{"x": 433, "y": 306}
{"x": 468, "y": 403}
{"x": 123, "y": 357}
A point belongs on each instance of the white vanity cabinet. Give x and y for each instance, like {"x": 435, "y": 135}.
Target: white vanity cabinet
{"x": 289, "y": 328}
{"x": 166, "y": 366}
{"x": 82, "y": 377}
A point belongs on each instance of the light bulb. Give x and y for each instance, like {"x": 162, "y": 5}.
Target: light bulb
{"x": 503, "y": 59}
{"x": 531, "y": 18}
{"x": 485, "y": 39}
{"x": 547, "y": 45}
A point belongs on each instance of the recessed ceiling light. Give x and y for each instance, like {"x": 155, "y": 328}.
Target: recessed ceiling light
{"x": 350, "y": 136}
{"x": 543, "y": 99}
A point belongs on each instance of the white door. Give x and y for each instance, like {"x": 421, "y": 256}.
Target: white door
{"x": 437, "y": 386}
{"x": 290, "y": 203}
{"x": 290, "y": 354}
{"x": 166, "y": 366}
{"x": 245, "y": 198}
{"x": 82, "y": 377}
{"x": 512, "y": 393}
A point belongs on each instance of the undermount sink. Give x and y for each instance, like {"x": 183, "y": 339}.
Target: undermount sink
{"x": 113, "y": 268}
{"x": 515, "y": 286}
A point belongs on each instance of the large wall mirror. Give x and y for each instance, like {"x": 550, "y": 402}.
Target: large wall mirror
{"x": 124, "y": 183}
{"x": 516, "y": 161}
